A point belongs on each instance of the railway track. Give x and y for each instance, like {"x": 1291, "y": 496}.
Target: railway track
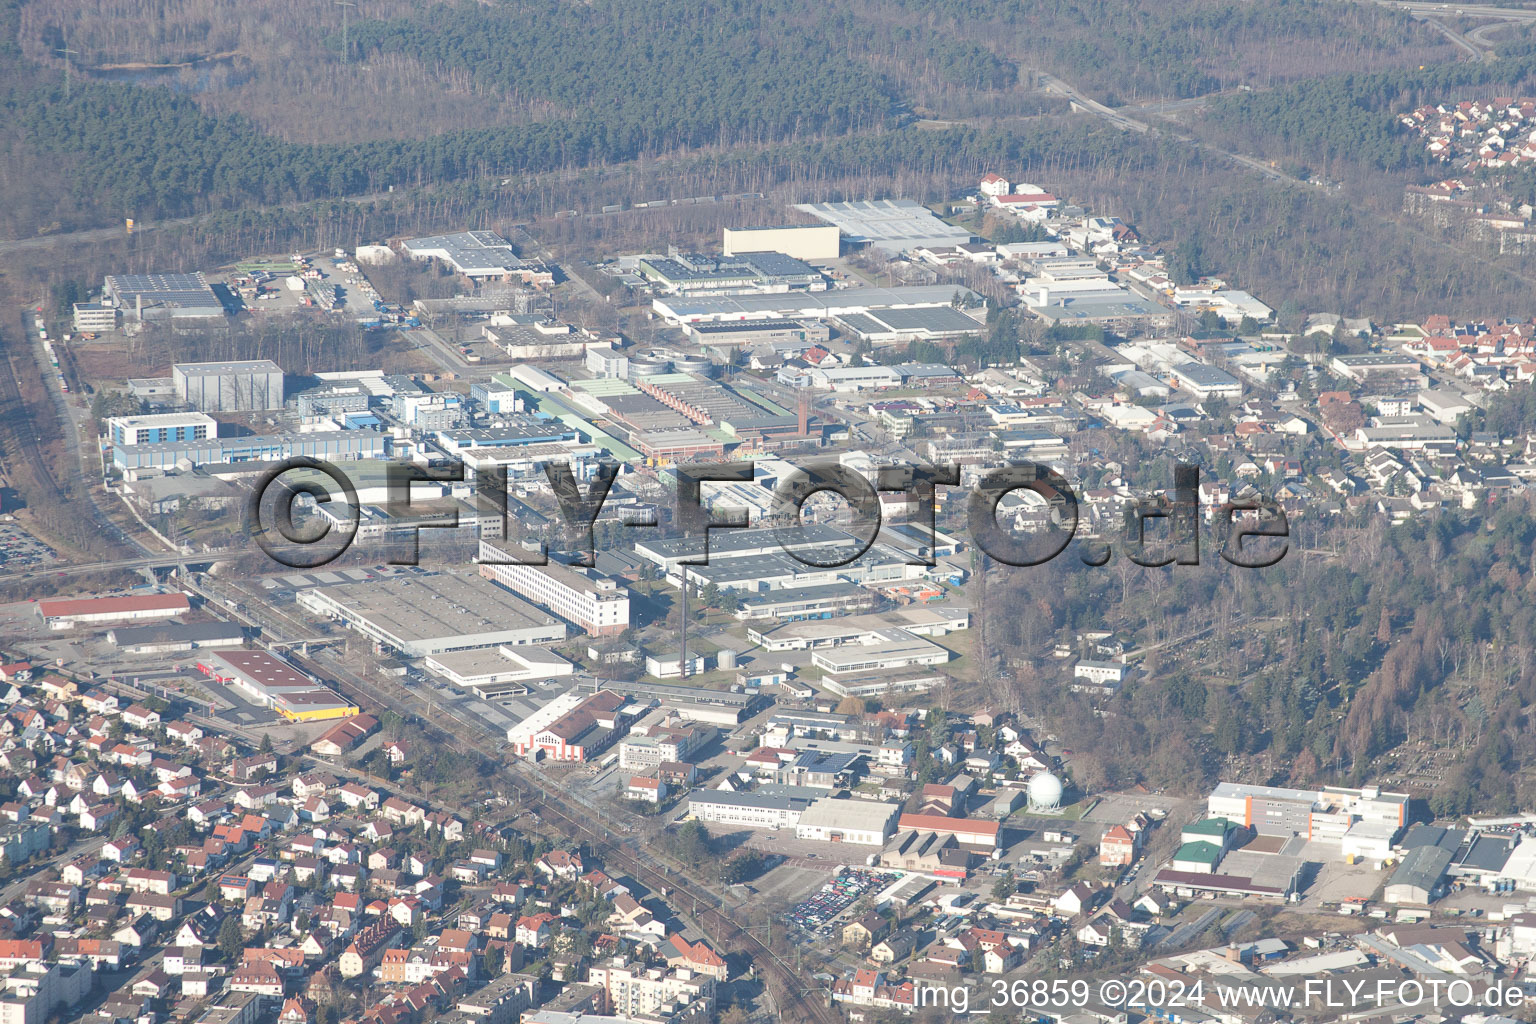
{"x": 25, "y": 439}
{"x": 794, "y": 999}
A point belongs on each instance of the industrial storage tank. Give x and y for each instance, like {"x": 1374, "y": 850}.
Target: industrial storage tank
{"x": 646, "y": 364}
{"x": 725, "y": 659}
{"x": 699, "y": 364}
{"x": 1044, "y": 791}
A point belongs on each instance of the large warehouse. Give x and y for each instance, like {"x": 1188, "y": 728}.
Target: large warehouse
{"x": 273, "y": 683}
{"x": 489, "y": 671}
{"x": 864, "y": 822}
{"x": 91, "y": 610}
{"x": 332, "y": 446}
{"x": 806, "y": 305}
{"x": 895, "y": 225}
{"x": 926, "y": 323}
{"x": 161, "y": 296}
{"x": 477, "y": 255}
{"x": 249, "y": 385}
{"x": 175, "y": 636}
{"x": 436, "y": 613}
{"x": 810, "y": 242}
{"x": 967, "y": 831}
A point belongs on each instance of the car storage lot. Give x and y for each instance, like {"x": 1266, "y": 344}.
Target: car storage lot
{"x": 844, "y": 890}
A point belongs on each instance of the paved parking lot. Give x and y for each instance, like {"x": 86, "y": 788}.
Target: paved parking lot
{"x": 845, "y": 889}
{"x": 1118, "y": 808}
{"x": 22, "y": 552}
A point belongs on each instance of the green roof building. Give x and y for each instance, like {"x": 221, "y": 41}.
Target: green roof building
{"x": 1198, "y": 856}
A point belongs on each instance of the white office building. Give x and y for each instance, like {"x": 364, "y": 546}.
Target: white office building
{"x": 579, "y": 596}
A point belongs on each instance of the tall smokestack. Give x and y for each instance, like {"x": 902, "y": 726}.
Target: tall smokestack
{"x": 803, "y": 414}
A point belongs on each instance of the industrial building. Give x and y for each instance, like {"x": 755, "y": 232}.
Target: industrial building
{"x": 1366, "y": 365}
{"x": 806, "y": 305}
{"x": 1417, "y": 879}
{"x": 742, "y": 414}
{"x": 1121, "y": 310}
{"x": 333, "y": 397}
{"x": 809, "y": 242}
{"x": 796, "y": 603}
{"x": 670, "y": 553}
{"x": 478, "y": 255}
{"x": 917, "y": 620}
{"x": 488, "y": 671}
{"x": 882, "y": 683}
{"x": 927, "y": 852}
{"x": 250, "y": 385}
{"x": 756, "y": 573}
{"x": 754, "y": 273}
{"x": 595, "y": 604}
{"x": 894, "y": 225}
{"x": 147, "y": 297}
{"x": 573, "y": 727}
{"x": 759, "y": 332}
{"x": 894, "y": 649}
{"x": 535, "y": 336}
{"x": 161, "y": 428}
{"x": 714, "y": 707}
{"x": 925, "y": 323}
{"x": 271, "y": 682}
{"x": 768, "y": 807}
{"x": 62, "y": 614}
{"x": 670, "y": 745}
{"x": 967, "y": 831}
{"x": 1321, "y": 815}
{"x": 175, "y": 636}
{"x": 95, "y": 317}
{"x": 512, "y": 432}
{"x": 1191, "y": 884}
{"x": 861, "y": 822}
{"x": 332, "y": 446}
{"x": 1207, "y": 381}
{"x": 434, "y": 613}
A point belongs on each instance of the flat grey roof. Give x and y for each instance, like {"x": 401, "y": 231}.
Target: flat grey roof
{"x": 927, "y": 318}
{"x": 436, "y": 606}
{"x": 666, "y": 692}
{"x": 1487, "y": 853}
{"x": 470, "y": 250}
{"x": 1206, "y": 376}
{"x": 862, "y": 323}
{"x": 1422, "y": 867}
{"x": 860, "y": 814}
{"x": 229, "y": 366}
{"x": 788, "y": 305}
{"x": 185, "y": 290}
{"x": 750, "y": 325}
{"x": 891, "y": 224}
{"x": 1375, "y": 359}
{"x": 766, "y": 801}
{"x": 1130, "y": 305}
